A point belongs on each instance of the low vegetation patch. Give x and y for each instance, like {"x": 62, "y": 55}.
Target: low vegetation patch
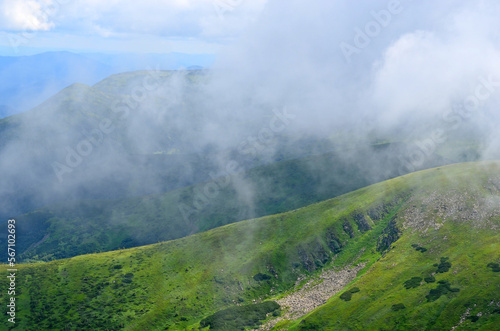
{"x": 443, "y": 288}
{"x": 443, "y": 266}
{"x": 430, "y": 279}
{"x": 261, "y": 277}
{"x": 419, "y": 248}
{"x": 398, "y": 306}
{"x": 347, "y": 295}
{"x": 240, "y": 317}
{"x": 494, "y": 267}
{"x": 354, "y": 290}
{"x": 413, "y": 282}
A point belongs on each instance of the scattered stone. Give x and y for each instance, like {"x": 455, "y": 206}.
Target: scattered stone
{"x": 314, "y": 293}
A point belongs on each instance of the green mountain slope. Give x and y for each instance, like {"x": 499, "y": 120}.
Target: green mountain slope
{"x": 452, "y": 212}
{"x": 406, "y": 290}
{"x": 147, "y": 132}
{"x": 117, "y": 164}
{"x": 84, "y": 227}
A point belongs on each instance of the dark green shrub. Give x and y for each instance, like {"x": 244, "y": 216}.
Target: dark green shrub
{"x": 444, "y": 266}
{"x": 443, "y": 288}
{"x": 354, "y": 290}
{"x": 346, "y": 296}
{"x": 430, "y": 279}
{"x": 473, "y": 318}
{"x": 398, "y": 306}
{"x": 433, "y": 295}
{"x": 494, "y": 267}
{"x": 261, "y": 277}
{"x": 412, "y": 283}
{"x": 309, "y": 325}
{"x": 421, "y": 249}
{"x": 240, "y": 317}
{"x": 127, "y": 278}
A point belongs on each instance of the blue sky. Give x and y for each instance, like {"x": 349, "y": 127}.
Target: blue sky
{"x": 149, "y": 26}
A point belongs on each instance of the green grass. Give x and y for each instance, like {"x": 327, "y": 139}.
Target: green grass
{"x": 103, "y": 187}
{"x": 239, "y": 317}
{"x": 175, "y": 285}
{"x": 90, "y": 226}
{"x": 457, "y": 253}
{"x": 428, "y": 307}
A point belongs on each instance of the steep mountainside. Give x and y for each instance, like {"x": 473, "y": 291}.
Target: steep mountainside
{"x": 417, "y": 252}
{"x": 89, "y": 226}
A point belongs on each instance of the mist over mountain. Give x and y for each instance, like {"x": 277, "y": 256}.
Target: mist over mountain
{"x": 331, "y": 80}
{"x": 6, "y": 111}
{"x": 27, "y": 81}
{"x": 282, "y": 165}
{"x": 417, "y": 252}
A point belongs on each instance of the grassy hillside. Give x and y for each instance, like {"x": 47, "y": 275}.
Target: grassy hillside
{"x": 84, "y": 227}
{"x": 443, "y": 271}
{"x": 452, "y": 212}
{"x": 406, "y": 290}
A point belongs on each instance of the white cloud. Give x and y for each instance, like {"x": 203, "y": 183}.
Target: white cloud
{"x": 231, "y": 17}
{"x": 173, "y": 18}
{"x": 428, "y": 57}
{"x": 100, "y": 22}
{"x": 426, "y": 72}
{"x": 25, "y": 15}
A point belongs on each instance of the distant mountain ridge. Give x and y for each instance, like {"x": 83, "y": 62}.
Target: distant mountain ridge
{"x": 6, "y": 111}
{"x": 158, "y": 149}
{"x": 26, "y": 81}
